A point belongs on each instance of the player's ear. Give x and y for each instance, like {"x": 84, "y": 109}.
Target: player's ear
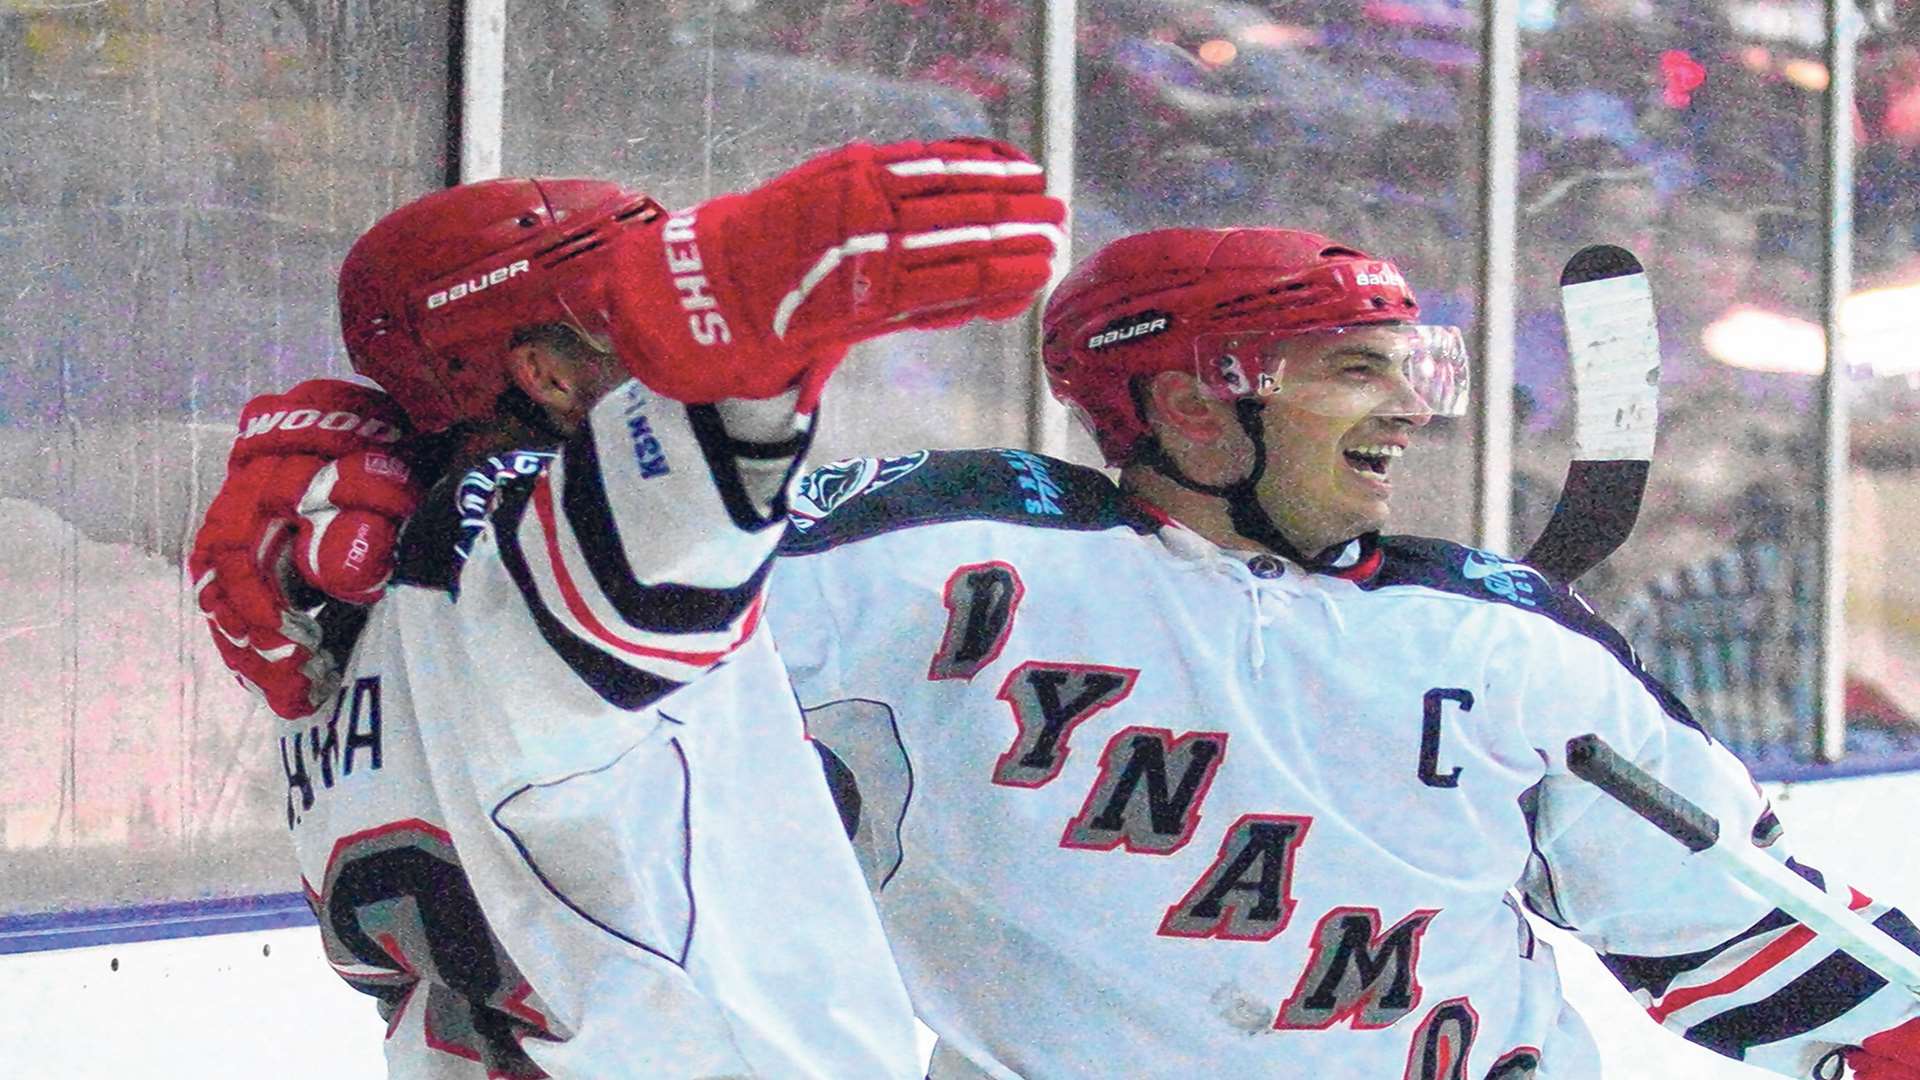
{"x": 542, "y": 374}
{"x": 1178, "y": 405}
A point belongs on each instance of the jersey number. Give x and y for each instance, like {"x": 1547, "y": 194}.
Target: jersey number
{"x": 400, "y": 922}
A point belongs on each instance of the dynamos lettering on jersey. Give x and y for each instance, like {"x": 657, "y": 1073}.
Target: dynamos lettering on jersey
{"x": 1246, "y": 895}
{"x": 1130, "y": 804}
{"x": 981, "y": 600}
{"x": 1358, "y": 973}
{"x": 1443, "y": 1041}
{"x": 1049, "y": 700}
{"x": 325, "y": 747}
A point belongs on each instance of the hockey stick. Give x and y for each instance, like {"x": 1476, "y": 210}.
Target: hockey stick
{"x": 1614, "y": 347}
{"x": 1591, "y": 759}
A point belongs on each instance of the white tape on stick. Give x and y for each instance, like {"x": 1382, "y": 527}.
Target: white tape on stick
{"x": 1615, "y": 349}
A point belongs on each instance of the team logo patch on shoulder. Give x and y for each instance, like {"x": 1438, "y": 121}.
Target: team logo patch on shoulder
{"x": 1511, "y": 581}
{"x": 1128, "y": 328}
{"x": 1039, "y": 491}
{"x": 830, "y": 486}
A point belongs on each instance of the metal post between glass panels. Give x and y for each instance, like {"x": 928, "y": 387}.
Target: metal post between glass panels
{"x": 1055, "y": 111}
{"x": 1493, "y": 390}
{"x": 483, "y": 79}
{"x": 1842, "y": 24}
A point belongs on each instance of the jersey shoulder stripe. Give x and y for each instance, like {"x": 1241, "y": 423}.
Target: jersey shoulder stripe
{"x": 861, "y": 498}
{"x": 668, "y": 607}
{"x": 1484, "y": 575}
{"x": 1822, "y": 994}
{"x": 619, "y": 684}
{"x": 496, "y": 494}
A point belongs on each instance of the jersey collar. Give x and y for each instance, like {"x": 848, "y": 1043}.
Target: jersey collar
{"x": 1357, "y": 560}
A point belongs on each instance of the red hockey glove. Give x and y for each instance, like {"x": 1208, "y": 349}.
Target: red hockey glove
{"x": 1890, "y": 1055}
{"x": 748, "y": 295}
{"x": 312, "y": 488}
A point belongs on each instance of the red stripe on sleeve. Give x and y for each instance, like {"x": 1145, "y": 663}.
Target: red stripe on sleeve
{"x": 577, "y": 605}
{"x": 1755, "y": 966}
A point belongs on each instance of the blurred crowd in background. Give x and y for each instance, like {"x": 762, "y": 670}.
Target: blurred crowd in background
{"x": 178, "y": 183}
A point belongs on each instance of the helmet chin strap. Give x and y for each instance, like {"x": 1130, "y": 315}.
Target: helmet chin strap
{"x": 1249, "y": 518}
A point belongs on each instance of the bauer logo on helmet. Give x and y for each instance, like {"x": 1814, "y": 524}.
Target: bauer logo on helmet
{"x": 1131, "y": 328}
{"x": 487, "y": 280}
{"x": 1381, "y": 274}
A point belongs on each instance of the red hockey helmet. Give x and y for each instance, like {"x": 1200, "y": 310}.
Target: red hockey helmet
{"x": 1142, "y": 305}
{"x": 430, "y": 295}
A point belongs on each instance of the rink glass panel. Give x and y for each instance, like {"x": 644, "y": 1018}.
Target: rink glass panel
{"x": 694, "y": 98}
{"x": 180, "y": 182}
{"x": 1695, "y": 143}
{"x": 1360, "y": 126}
{"x": 1882, "y": 342}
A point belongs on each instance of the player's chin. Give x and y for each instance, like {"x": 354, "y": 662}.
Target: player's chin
{"x": 1368, "y": 511}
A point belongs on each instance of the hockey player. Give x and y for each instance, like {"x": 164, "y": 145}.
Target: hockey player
{"x": 1198, "y": 774}
{"x": 561, "y": 815}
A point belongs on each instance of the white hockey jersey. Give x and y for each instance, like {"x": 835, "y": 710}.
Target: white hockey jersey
{"x": 1138, "y": 806}
{"x": 563, "y": 818}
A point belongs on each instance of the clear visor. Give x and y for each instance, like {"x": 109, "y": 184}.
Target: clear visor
{"x": 1386, "y": 370}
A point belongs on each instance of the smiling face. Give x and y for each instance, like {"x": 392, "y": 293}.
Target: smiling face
{"x": 1343, "y": 413}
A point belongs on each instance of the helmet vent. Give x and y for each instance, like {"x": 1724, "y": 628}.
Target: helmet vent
{"x": 570, "y": 238}
{"x": 579, "y": 251}
{"x": 1340, "y": 252}
{"x": 645, "y": 210}
{"x": 527, "y": 221}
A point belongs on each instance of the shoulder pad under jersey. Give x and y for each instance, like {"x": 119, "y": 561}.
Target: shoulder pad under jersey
{"x": 1486, "y": 575}
{"x": 863, "y": 497}
{"x": 437, "y": 539}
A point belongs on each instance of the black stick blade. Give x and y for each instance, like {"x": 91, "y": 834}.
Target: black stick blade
{"x": 1597, "y": 262}
{"x": 1591, "y": 759}
{"x": 1598, "y": 506}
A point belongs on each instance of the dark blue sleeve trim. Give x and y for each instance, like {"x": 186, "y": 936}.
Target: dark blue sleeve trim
{"x": 622, "y": 685}
{"x": 724, "y": 453}
{"x": 1655, "y": 974}
{"x": 666, "y": 609}
{"x": 855, "y": 500}
{"x": 1827, "y": 991}
{"x": 1444, "y": 566}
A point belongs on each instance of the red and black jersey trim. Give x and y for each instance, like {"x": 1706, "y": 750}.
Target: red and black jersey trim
{"x": 620, "y": 685}
{"x": 1824, "y": 993}
{"x": 1821, "y": 994}
{"x": 667, "y": 608}
{"x": 1655, "y": 974}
